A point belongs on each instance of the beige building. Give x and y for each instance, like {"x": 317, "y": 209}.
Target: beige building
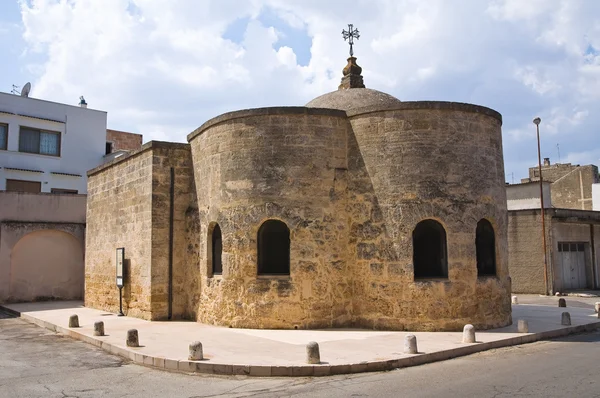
{"x": 41, "y": 246}
{"x": 571, "y": 184}
{"x": 571, "y": 230}
{"x": 354, "y": 210}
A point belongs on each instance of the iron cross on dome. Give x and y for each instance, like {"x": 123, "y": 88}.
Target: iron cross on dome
{"x": 350, "y": 35}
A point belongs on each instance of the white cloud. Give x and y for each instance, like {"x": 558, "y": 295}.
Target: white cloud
{"x": 162, "y": 67}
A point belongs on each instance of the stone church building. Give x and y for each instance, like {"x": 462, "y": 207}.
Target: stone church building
{"x": 355, "y": 210}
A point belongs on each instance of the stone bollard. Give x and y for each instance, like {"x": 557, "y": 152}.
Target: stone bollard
{"x": 99, "y": 328}
{"x": 565, "y": 319}
{"x": 523, "y": 326}
{"x": 132, "y": 338}
{"x": 73, "y": 321}
{"x": 597, "y": 307}
{"x": 410, "y": 344}
{"x": 562, "y": 302}
{"x": 515, "y": 300}
{"x": 469, "y": 334}
{"x": 312, "y": 353}
{"x": 196, "y": 353}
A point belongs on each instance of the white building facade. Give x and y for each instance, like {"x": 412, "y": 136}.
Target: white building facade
{"x": 47, "y": 146}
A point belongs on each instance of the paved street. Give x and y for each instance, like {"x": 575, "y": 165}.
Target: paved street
{"x": 37, "y": 363}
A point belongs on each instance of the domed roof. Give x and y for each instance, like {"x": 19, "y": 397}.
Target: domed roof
{"x": 354, "y": 98}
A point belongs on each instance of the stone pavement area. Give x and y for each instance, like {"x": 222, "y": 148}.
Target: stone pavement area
{"x": 283, "y": 352}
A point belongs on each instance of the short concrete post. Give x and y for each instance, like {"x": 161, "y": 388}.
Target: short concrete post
{"x": 312, "y": 353}
{"x": 562, "y": 302}
{"x": 196, "y": 353}
{"x": 597, "y": 307}
{"x": 469, "y": 334}
{"x": 565, "y": 319}
{"x": 515, "y": 300}
{"x": 73, "y": 321}
{"x": 99, "y": 328}
{"x": 523, "y": 326}
{"x": 410, "y": 344}
{"x": 132, "y": 338}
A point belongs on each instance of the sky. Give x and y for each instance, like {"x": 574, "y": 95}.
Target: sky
{"x": 161, "y": 68}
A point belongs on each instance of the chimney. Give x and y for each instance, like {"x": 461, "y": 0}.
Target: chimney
{"x": 546, "y": 161}
{"x": 82, "y": 102}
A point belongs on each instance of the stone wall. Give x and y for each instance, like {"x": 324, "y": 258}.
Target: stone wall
{"x": 526, "y": 254}
{"x": 438, "y": 161}
{"x": 129, "y": 206}
{"x": 277, "y": 163}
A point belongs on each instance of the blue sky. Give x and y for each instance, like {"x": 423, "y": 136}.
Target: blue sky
{"x": 163, "y": 67}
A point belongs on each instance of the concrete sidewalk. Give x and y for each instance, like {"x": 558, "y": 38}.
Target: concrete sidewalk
{"x": 282, "y": 352}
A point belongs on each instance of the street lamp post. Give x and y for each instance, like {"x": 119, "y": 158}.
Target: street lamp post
{"x": 537, "y": 122}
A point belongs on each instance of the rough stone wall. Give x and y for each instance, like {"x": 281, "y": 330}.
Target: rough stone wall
{"x": 278, "y": 163}
{"x": 129, "y": 206}
{"x": 526, "y": 254}
{"x": 427, "y": 163}
{"x": 119, "y": 214}
{"x": 165, "y": 157}
{"x": 124, "y": 141}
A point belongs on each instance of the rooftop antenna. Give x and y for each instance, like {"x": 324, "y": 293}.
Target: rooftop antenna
{"x": 15, "y": 90}
{"x": 558, "y": 150}
{"x": 26, "y": 90}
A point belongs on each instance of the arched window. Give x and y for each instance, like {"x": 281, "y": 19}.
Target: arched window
{"x": 430, "y": 259}
{"x": 216, "y": 250}
{"x": 485, "y": 244}
{"x": 273, "y": 248}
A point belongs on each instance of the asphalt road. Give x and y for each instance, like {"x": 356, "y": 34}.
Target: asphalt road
{"x": 37, "y": 363}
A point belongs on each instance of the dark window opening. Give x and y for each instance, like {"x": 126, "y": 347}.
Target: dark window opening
{"x": 109, "y": 148}
{"x": 485, "y": 244}
{"x": 430, "y": 257}
{"x": 273, "y": 248}
{"x": 65, "y": 191}
{"x": 217, "y": 250}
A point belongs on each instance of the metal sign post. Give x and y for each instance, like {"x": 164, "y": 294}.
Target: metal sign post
{"x": 120, "y": 277}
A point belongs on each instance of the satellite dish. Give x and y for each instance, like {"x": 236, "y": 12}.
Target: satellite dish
{"x": 26, "y": 90}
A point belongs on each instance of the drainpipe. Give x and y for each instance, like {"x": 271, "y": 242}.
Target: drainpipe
{"x": 171, "y": 213}
{"x": 593, "y": 250}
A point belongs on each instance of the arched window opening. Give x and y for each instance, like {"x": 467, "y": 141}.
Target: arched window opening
{"x": 216, "y": 250}
{"x": 430, "y": 259}
{"x": 273, "y": 248}
{"x": 485, "y": 243}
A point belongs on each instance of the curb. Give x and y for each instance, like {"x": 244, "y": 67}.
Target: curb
{"x": 205, "y": 367}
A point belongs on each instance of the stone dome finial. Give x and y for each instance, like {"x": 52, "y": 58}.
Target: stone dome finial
{"x": 352, "y": 76}
{"x": 352, "y": 72}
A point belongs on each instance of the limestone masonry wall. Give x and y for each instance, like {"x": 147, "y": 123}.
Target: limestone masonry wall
{"x": 350, "y": 186}
{"x": 441, "y": 164}
{"x": 129, "y": 206}
{"x": 275, "y": 166}
{"x": 119, "y": 214}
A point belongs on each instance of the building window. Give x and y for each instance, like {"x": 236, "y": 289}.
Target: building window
{"x": 3, "y": 136}
{"x": 109, "y": 147}
{"x": 39, "y": 141}
{"x": 216, "y": 249}
{"x": 273, "y": 248}
{"x": 24, "y": 186}
{"x": 485, "y": 244}
{"x": 430, "y": 258}
{"x": 64, "y": 191}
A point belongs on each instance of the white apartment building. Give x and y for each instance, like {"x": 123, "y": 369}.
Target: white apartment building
{"x": 47, "y": 146}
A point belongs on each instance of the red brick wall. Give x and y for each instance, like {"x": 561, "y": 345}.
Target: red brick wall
{"x": 124, "y": 141}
